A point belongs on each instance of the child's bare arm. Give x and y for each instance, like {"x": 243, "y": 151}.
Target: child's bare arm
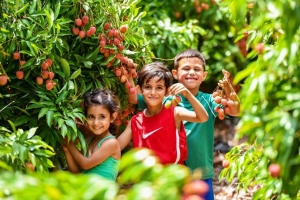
{"x": 132, "y": 97}
{"x": 125, "y": 137}
{"x": 198, "y": 115}
{"x": 72, "y": 165}
{"x": 106, "y": 149}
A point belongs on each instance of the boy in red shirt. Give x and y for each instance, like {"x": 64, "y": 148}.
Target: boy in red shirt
{"x": 157, "y": 127}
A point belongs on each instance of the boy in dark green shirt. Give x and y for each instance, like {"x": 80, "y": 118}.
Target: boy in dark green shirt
{"x": 189, "y": 69}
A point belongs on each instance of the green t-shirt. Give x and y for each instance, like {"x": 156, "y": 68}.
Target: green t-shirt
{"x": 200, "y": 136}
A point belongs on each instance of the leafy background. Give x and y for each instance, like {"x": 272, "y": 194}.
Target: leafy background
{"x": 226, "y": 32}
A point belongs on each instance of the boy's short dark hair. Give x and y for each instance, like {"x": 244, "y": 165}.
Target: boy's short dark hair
{"x": 155, "y": 69}
{"x": 189, "y": 53}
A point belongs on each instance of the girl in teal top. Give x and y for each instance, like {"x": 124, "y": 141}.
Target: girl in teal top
{"x": 101, "y": 108}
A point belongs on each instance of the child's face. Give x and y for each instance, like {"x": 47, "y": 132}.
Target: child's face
{"x": 154, "y": 91}
{"x": 98, "y": 119}
{"x": 190, "y": 73}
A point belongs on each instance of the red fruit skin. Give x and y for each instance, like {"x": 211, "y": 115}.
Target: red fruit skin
{"x": 81, "y": 34}
{"x": 274, "y": 170}
{"x": 107, "y": 26}
{"x": 118, "y": 122}
{"x": 22, "y": 62}
{"x": 132, "y": 90}
{"x": 75, "y": 30}
{"x": 78, "y": 22}
{"x": 225, "y": 163}
{"x": 118, "y": 72}
{"x": 45, "y": 74}
{"x": 29, "y": 166}
{"x": 49, "y": 61}
{"x": 88, "y": 33}
{"x": 123, "y": 29}
{"x": 196, "y": 187}
{"x": 20, "y": 74}
{"x": 51, "y": 75}
{"x": 39, "y": 80}
{"x": 49, "y": 86}
{"x": 16, "y": 55}
{"x": 3, "y": 80}
{"x": 85, "y": 19}
{"x": 177, "y": 14}
{"x": 259, "y": 47}
{"x": 93, "y": 30}
{"x": 45, "y": 65}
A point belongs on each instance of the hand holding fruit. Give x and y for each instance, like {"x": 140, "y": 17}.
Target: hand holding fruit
{"x": 173, "y": 102}
{"x": 179, "y": 88}
{"x": 225, "y": 95}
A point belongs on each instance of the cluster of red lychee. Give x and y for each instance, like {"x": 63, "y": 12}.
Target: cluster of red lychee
{"x": 174, "y": 101}
{"x": 19, "y": 73}
{"x": 203, "y": 6}
{"x": 221, "y": 98}
{"x": 111, "y": 46}
{"x": 46, "y": 74}
{"x": 80, "y": 25}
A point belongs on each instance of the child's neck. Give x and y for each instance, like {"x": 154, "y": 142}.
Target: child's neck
{"x": 151, "y": 111}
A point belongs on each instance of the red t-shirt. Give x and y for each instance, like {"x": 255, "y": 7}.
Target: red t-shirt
{"x": 159, "y": 134}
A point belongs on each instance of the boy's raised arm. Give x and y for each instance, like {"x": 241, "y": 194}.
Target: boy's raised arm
{"x": 132, "y": 97}
{"x": 125, "y": 137}
{"x": 198, "y": 115}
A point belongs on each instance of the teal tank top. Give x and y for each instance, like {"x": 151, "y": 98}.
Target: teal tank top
{"x": 108, "y": 169}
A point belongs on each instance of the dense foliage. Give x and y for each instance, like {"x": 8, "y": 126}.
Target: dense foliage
{"x": 52, "y": 52}
{"x": 270, "y": 107}
{"x": 50, "y": 60}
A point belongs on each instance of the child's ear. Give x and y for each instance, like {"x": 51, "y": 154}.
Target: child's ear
{"x": 114, "y": 117}
{"x": 174, "y": 72}
{"x": 138, "y": 89}
{"x": 204, "y": 75}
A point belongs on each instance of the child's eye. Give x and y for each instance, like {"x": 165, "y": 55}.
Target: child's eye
{"x": 147, "y": 87}
{"x": 160, "y": 88}
{"x": 102, "y": 117}
{"x": 90, "y": 117}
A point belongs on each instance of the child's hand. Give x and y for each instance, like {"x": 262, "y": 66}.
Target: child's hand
{"x": 225, "y": 95}
{"x": 223, "y": 83}
{"x": 83, "y": 128}
{"x": 65, "y": 144}
{"x": 178, "y": 88}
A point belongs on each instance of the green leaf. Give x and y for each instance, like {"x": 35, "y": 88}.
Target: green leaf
{"x": 61, "y": 96}
{"x": 63, "y": 130}
{"x": 23, "y": 9}
{"x": 42, "y": 152}
{"x": 12, "y": 125}
{"x": 72, "y": 124}
{"x": 65, "y": 67}
{"x": 76, "y": 74}
{"x": 33, "y": 48}
{"x": 31, "y": 132}
{"x": 21, "y": 120}
{"x": 57, "y": 9}
{"x": 49, "y": 117}
{"x": 88, "y": 64}
{"x": 50, "y": 17}
{"x": 42, "y": 112}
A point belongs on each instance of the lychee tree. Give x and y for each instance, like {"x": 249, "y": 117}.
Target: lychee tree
{"x": 192, "y": 24}
{"x": 270, "y": 100}
{"x": 52, "y": 52}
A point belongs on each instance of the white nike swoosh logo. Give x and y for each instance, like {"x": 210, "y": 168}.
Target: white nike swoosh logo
{"x": 145, "y": 135}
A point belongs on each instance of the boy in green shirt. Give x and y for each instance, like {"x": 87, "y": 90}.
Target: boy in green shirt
{"x": 189, "y": 69}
